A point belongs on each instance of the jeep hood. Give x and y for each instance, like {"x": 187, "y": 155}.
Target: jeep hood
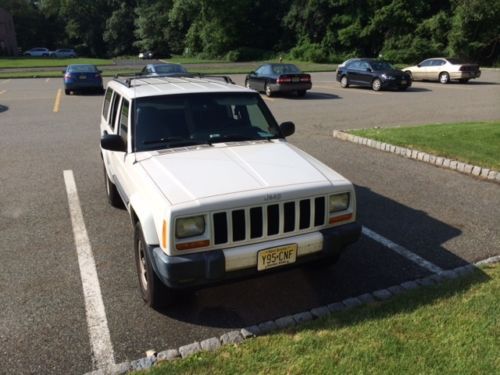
{"x": 187, "y": 175}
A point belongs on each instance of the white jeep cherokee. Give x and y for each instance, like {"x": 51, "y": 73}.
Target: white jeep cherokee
{"x": 213, "y": 189}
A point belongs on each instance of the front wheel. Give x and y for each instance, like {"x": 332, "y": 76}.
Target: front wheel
{"x": 409, "y": 73}
{"x": 247, "y": 84}
{"x": 444, "y": 78}
{"x": 268, "y": 91}
{"x": 376, "y": 84}
{"x": 153, "y": 291}
{"x": 344, "y": 82}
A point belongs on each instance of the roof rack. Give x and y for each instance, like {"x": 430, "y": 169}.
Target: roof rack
{"x": 127, "y": 80}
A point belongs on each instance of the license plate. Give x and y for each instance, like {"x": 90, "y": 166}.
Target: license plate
{"x": 83, "y": 77}
{"x": 277, "y": 256}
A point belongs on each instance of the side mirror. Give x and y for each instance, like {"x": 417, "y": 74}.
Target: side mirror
{"x": 287, "y": 128}
{"x": 369, "y": 69}
{"x": 113, "y": 142}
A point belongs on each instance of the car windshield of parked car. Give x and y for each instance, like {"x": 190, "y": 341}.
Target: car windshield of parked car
{"x": 82, "y": 69}
{"x": 183, "y": 120}
{"x": 381, "y": 65}
{"x": 285, "y": 69}
{"x": 165, "y": 69}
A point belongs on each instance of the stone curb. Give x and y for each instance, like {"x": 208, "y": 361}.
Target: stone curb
{"x": 439, "y": 161}
{"x": 286, "y": 322}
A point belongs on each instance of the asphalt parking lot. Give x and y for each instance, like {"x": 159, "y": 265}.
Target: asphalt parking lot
{"x": 445, "y": 218}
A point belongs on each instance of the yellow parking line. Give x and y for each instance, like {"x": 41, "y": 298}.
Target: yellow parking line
{"x": 57, "y": 103}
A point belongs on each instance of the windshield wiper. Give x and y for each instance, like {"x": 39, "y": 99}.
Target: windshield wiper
{"x": 234, "y": 138}
{"x": 175, "y": 142}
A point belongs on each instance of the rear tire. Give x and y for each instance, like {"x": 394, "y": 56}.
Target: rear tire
{"x": 153, "y": 291}
{"x": 444, "y": 78}
{"x": 344, "y": 82}
{"x": 376, "y": 84}
{"x": 114, "y": 198}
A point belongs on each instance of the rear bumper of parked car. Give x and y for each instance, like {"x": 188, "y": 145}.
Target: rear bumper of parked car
{"x": 205, "y": 268}
{"x": 83, "y": 84}
{"x": 290, "y": 87}
{"x": 465, "y": 74}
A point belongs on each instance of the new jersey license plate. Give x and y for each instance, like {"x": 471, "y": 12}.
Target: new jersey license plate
{"x": 276, "y": 256}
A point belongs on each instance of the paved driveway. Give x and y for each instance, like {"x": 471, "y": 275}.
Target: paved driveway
{"x": 444, "y": 217}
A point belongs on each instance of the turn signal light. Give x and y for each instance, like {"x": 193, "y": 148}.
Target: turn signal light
{"x": 192, "y": 245}
{"x": 338, "y": 219}
{"x": 164, "y": 232}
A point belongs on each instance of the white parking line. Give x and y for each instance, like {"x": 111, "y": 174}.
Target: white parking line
{"x": 402, "y": 251}
{"x": 100, "y": 340}
{"x": 47, "y": 80}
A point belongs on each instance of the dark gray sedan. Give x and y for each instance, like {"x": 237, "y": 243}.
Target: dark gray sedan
{"x": 274, "y": 78}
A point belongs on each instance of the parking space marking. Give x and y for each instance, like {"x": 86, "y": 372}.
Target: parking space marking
{"x": 4, "y": 82}
{"x": 3, "y": 92}
{"x": 100, "y": 339}
{"x": 57, "y": 102}
{"x": 47, "y": 80}
{"x": 402, "y": 251}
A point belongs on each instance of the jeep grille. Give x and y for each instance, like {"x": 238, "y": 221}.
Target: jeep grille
{"x": 269, "y": 220}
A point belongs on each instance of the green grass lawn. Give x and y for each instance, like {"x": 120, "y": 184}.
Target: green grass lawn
{"x": 451, "y": 328}
{"x": 47, "y": 62}
{"x": 476, "y": 143}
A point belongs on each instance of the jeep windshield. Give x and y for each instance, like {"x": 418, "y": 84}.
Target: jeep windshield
{"x": 190, "y": 119}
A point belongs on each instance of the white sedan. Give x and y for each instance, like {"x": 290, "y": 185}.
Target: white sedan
{"x": 443, "y": 70}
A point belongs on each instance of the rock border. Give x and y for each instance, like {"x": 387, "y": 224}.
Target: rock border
{"x": 439, "y": 161}
{"x": 236, "y": 337}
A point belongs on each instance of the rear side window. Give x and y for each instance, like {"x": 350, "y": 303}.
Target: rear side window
{"x": 124, "y": 120}
{"x": 114, "y": 112}
{"x": 107, "y": 103}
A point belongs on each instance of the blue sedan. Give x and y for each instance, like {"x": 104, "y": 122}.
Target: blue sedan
{"x": 82, "y": 77}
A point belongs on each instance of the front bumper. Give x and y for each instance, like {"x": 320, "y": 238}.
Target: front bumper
{"x": 205, "y": 268}
{"x": 396, "y": 83}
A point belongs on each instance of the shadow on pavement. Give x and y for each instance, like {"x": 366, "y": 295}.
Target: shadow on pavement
{"x": 3, "y": 108}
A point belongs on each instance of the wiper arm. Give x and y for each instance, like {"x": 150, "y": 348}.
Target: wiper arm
{"x": 234, "y": 138}
{"x": 175, "y": 142}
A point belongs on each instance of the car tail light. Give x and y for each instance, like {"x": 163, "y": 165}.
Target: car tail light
{"x": 284, "y": 79}
{"x": 305, "y": 78}
{"x": 68, "y": 76}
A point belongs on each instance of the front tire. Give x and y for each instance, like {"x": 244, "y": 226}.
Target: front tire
{"x": 153, "y": 291}
{"x": 344, "y": 82}
{"x": 268, "y": 91}
{"x": 376, "y": 84}
{"x": 114, "y": 198}
{"x": 409, "y": 73}
{"x": 444, "y": 78}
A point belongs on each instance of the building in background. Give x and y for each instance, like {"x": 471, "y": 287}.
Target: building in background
{"x": 8, "y": 43}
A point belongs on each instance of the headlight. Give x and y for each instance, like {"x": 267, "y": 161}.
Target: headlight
{"x": 386, "y": 76}
{"x": 339, "y": 202}
{"x": 189, "y": 226}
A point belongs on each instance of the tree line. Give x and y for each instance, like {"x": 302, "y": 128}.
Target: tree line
{"x": 311, "y": 30}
